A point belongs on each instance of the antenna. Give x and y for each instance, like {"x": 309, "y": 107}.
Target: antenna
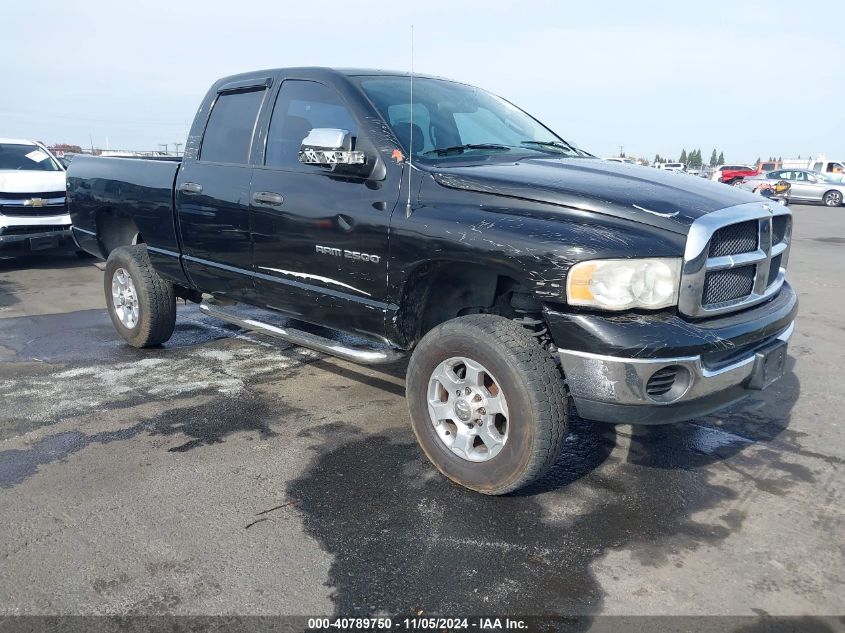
{"x": 411, "y": 129}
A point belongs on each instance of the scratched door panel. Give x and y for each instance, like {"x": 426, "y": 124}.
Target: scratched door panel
{"x": 319, "y": 237}
{"x": 321, "y": 253}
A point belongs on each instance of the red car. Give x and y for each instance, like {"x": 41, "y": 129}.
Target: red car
{"x": 732, "y": 174}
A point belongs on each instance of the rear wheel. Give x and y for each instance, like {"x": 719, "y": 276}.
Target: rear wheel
{"x": 832, "y": 199}
{"x": 487, "y": 403}
{"x": 142, "y": 305}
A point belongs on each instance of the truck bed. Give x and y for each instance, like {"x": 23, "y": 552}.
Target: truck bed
{"x": 101, "y": 191}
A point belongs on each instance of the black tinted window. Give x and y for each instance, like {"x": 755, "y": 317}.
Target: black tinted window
{"x": 229, "y": 130}
{"x": 300, "y": 107}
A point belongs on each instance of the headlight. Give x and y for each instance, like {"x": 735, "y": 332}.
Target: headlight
{"x": 621, "y": 284}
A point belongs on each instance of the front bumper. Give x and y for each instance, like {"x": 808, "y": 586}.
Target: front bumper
{"x": 707, "y": 365}
{"x": 614, "y": 389}
{"x": 20, "y": 235}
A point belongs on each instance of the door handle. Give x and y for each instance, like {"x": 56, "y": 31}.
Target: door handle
{"x": 267, "y": 197}
{"x": 190, "y": 187}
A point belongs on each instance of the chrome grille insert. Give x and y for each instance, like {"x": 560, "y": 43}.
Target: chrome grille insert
{"x": 734, "y": 258}
{"x": 734, "y": 239}
{"x": 728, "y": 284}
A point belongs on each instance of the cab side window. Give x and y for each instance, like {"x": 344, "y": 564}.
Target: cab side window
{"x": 228, "y": 133}
{"x": 300, "y": 107}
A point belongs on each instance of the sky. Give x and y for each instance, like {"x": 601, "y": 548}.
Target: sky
{"x": 751, "y": 79}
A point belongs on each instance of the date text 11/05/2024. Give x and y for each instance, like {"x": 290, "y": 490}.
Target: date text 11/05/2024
{"x": 416, "y": 623}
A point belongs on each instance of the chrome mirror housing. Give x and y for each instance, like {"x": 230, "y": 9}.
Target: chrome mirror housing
{"x": 330, "y": 147}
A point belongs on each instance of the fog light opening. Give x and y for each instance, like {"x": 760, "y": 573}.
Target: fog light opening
{"x": 668, "y": 383}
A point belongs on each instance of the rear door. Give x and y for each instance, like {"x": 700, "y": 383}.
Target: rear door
{"x": 212, "y": 193}
{"x": 320, "y": 238}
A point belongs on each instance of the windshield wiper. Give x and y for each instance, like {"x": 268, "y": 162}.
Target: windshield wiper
{"x": 460, "y": 149}
{"x": 566, "y": 147}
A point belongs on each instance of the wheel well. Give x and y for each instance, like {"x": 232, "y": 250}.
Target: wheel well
{"x": 116, "y": 229}
{"x": 441, "y": 291}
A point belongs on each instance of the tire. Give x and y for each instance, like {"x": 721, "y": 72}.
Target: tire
{"x": 832, "y": 198}
{"x": 523, "y": 373}
{"x": 148, "y": 315}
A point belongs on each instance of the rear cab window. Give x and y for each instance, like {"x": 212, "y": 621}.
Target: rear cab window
{"x": 231, "y": 125}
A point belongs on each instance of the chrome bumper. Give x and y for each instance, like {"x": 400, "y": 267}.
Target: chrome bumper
{"x": 595, "y": 380}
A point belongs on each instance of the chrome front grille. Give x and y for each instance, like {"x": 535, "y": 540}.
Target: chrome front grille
{"x": 734, "y": 258}
{"x": 33, "y": 205}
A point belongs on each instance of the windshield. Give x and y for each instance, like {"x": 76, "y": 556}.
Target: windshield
{"x": 456, "y": 120}
{"x": 26, "y": 158}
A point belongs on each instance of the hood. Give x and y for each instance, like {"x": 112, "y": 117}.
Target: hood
{"x": 19, "y": 181}
{"x": 650, "y": 196}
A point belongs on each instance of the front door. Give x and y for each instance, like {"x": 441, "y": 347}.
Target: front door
{"x": 801, "y": 188}
{"x": 320, "y": 239}
{"x": 212, "y": 197}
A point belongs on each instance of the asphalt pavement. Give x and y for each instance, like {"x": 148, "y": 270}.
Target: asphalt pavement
{"x": 226, "y": 473}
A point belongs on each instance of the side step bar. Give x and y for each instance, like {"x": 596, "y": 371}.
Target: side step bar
{"x": 362, "y": 355}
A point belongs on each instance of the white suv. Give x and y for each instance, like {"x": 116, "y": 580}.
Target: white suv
{"x": 33, "y": 207}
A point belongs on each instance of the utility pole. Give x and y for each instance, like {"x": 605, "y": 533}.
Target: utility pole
{"x": 177, "y": 146}
{"x": 164, "y": 145}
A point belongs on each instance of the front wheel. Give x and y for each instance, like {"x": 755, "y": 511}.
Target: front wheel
{"x": 487, "y": 403}
{"x": 832, "y": 199}
{"x": 142, "y": 305}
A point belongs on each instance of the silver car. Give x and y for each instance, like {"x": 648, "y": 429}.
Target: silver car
{"x": 805, "y": 185}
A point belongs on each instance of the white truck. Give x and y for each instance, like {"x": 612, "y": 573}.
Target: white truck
{"x": 820, "y": 164}
{"x": 33, "y": 207}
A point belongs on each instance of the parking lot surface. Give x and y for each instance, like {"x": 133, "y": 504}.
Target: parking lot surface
{"x": 226, "y": 473}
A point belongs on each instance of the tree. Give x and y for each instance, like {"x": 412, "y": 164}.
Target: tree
{"x": 657, "y": 159}
{"x": 695, "y": 158}
{"x": 721, "y": 158}
{"x": 713, "y": 159}
{"x": 683, "y": 158}
{"x": 759, "y": 160}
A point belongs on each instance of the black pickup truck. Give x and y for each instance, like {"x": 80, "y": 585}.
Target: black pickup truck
{"x": 522, "y": 275}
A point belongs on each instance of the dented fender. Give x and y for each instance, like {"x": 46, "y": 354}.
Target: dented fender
{"x": 532, "y": 242}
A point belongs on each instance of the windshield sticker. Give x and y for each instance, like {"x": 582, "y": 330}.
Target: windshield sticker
{"x": 37, "y": 156}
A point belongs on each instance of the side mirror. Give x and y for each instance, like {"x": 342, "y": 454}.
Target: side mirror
{"x": 331, "y": 147}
